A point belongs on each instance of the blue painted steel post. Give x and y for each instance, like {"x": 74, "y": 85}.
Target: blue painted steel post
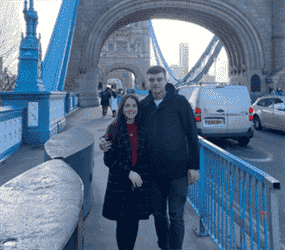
{"x": 56, "y": 59}
{"x": 29, "y": 92}
{"x": 29, "y": 67}
{"x": 202, "y": 231}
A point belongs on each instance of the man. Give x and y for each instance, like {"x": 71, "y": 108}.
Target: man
{"x": 172, "y": 141}
{"x": 105, "y": 100}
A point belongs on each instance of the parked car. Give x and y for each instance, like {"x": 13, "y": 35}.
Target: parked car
{"x": 221, "y": 111}
{"x": 121, "y": 91}
{"x": 269, "y": 112}
{"x": 131, "y": 91}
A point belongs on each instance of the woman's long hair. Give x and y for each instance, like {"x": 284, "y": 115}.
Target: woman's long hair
{"x": 120, "y": 118}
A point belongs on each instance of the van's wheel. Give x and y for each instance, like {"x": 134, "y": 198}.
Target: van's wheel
{"x": 257, "y": 123}
{"x": 243, "y": 141}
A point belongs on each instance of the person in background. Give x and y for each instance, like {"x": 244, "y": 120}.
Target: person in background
{"x": 280, "y": 92}
{"x": 127, "y": 199}
{"x": 105, "y": 101}
{"x": 114, "y": 104}
{"x": 275, "y": 92}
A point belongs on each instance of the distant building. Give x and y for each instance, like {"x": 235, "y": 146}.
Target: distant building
{"x": 208, "y": 78}
{"x": 125, "y": 51}
{"x": 182, "y": 69}
{"x": 183, "y": 57}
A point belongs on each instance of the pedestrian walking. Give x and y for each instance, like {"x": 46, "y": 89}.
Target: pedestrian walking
{"x": 119, "y": 96}
{"x": 105, "y": 101}
{"x": 167, "y": 119}
{"x": 280, "y": 92}
{"x": 128, "y": 194}
{"x": 275, "y": 92}
{"x": 114, "y": 104}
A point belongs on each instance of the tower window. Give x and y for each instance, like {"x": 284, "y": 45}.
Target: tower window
{"x": 110, "y": 47}
{"x": 122, "y": 46}
{"x": 133, "y": 47}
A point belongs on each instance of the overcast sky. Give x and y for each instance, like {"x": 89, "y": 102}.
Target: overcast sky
{"x": 177, "y": 31}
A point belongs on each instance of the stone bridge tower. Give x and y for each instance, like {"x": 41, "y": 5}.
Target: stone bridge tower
{"x": 126, "y": 51}
{"x": 252, "y": 32}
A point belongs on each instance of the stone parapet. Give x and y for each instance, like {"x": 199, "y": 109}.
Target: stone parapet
{"x": 76, "y": 148}
{"x": 88, "y": 100}
{"x": 34, "y": 212}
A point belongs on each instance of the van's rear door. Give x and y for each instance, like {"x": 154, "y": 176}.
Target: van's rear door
{"x": 238, "y": 108}
{"x": 213, "y": 106}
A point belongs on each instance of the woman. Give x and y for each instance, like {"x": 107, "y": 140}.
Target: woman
{"x": 114, "y": 104}
{"x": 127, "y": 199}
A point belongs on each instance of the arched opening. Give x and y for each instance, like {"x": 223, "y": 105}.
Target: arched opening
{"x": 255, "y": 83}
{"x": 230, "y": 25}
{"x": 128, "y": 74}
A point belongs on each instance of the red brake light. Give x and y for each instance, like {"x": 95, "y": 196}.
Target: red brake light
{"x": 251, "y": 118}
{"x": 198, "y": 111}
{"x": 198, "y": 118}
{"x": 251, "y": 110}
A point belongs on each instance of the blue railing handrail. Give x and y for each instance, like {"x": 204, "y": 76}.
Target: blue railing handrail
{"x": 260, "y": 175}
{"x": 11, "y": 141}
{"x": 215, "y": 194}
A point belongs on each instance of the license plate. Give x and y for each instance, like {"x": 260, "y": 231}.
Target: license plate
{"x": 214, "y": 122}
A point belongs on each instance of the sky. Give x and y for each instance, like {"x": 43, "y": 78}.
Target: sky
{"x": 177, "y": 31}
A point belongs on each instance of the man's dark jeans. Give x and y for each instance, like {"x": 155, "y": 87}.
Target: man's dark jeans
{"x": 170, "y": 235}
{"x": 104, "y": 109}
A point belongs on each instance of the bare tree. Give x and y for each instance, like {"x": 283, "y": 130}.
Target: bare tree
{"x": 10, "y": 31}
{"x": 8, "y": 81}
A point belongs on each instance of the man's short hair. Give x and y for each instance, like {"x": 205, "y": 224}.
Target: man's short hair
{"x": 156, "y": 70}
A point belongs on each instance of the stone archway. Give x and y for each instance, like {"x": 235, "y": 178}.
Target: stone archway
{"x": 139, "y": 78}
{"x": 245, "y": 42}
{"x": 235, "y": 30}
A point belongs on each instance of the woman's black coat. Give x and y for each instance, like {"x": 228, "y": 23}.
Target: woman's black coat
{"x": 120, "y": 200}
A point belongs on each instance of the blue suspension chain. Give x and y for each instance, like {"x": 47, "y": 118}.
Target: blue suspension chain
{"x": 154, "y": 40}
{"x": 212, "y": 51}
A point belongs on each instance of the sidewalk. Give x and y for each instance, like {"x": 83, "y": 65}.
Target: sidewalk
{"x": 98, "y": 232}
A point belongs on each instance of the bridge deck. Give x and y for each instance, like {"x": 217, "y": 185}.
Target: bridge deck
{"x": 100, "y": 233}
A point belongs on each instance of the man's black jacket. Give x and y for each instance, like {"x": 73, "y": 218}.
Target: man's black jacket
{"x": 105, "y": 98}
{"x": 172, "y": 139}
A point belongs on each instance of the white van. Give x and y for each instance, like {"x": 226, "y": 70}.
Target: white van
{"x": 221, "y": 111}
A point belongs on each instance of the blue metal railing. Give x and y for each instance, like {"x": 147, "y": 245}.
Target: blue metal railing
{"x": 57, "y": 55}
{"x": 11, "y": 130}
{"x": 222, "y": 205}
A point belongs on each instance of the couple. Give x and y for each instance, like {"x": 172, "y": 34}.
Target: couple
{"x": 152, "y": 153}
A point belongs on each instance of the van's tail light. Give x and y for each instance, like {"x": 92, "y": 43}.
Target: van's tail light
{"x": 198, "y": 115}
{"x": 250, "y": 114}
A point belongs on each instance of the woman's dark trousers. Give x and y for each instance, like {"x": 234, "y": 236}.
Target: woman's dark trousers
{"x": 126, "y": 233}
{"x": 170, "y": 235}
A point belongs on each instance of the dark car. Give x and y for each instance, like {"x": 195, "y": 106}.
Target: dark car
{"x": 121, "y": 91}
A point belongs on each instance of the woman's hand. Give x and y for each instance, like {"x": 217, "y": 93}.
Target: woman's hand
{"x": 104, "y": 145}
{"x": 193, "y": 176}
{"x": 136, "y": 179}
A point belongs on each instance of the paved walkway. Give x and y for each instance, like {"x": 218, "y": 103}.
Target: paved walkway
{"x": 100, "y": 233}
